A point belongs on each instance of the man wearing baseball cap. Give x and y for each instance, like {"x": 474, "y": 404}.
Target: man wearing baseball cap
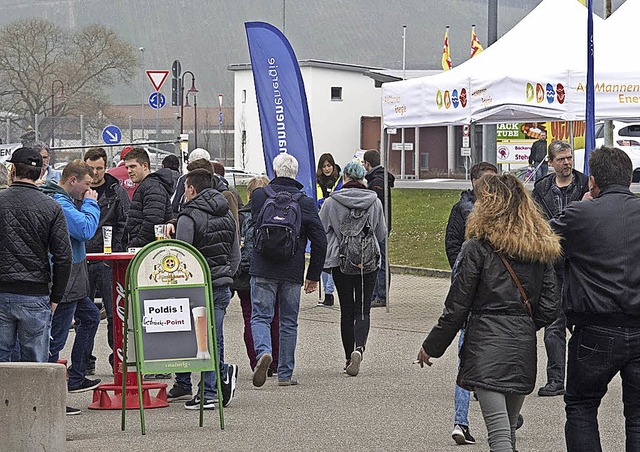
{"x": 32, "y": 227}
{"x": 120, "y": 173}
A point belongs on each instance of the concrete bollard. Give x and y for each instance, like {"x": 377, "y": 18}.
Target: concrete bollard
{"x": 32, "y": 407}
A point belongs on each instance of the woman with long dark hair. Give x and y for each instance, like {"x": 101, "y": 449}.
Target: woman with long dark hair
{"x": 354, "y": 221}
{"x": 504, "y": 289}
{"x": 328, "y": 180}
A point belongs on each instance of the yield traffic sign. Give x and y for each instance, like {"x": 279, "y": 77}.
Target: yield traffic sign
{"x": 157, "y": 78}
{"x": 111, "y": 134}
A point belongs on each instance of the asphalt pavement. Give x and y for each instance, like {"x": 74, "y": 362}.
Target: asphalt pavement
{"x": 392, "y": 405}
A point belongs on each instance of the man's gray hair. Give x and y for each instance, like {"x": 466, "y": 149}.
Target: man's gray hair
{"x": 558, "y": 146}
{"x": 285, "y": 165}
{"x": 39, "y": 145}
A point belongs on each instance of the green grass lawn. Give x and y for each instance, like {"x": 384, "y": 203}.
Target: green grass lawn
{"x": 419, "y": 222}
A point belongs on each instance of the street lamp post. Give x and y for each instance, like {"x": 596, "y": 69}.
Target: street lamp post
{"x": 53, "y": 106}
{"x": 220, "y": 98}
{"x": 193, "y": 90}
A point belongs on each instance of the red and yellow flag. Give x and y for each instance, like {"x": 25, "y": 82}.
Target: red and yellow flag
{"x": 476, "y": 47}
{"x": 446, "y": 54}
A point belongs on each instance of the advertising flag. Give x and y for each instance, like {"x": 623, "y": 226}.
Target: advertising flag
{"x": 590, "y": 117}
{"x": 282, "y": 101}
{"x": 446, "y": 55}
{"x": 476, "y": 47}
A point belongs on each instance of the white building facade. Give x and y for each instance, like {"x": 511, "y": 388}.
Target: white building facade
{"x": 338, "y": 95}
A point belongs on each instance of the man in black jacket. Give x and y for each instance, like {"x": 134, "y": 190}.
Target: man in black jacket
{"x": 538, "y": 156}
{"x": 114, "y": 205}
{"x": 454, "y": 238}
{"x": 150, "y": 204}
{"x": 601, "y": 299}
{"x": 282, "y": 280}
{"x": 553, "y": 193}
{"x": 32, "y": 227}
{"x": 375, "y": 182}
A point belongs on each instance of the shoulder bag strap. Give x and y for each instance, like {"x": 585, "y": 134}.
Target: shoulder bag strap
{"x": 517, "y": 281}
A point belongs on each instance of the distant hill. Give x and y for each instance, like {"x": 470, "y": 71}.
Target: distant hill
{"x": 208, "y": 35}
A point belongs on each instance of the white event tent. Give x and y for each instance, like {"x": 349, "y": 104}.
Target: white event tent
{"x": 535, "y": 72}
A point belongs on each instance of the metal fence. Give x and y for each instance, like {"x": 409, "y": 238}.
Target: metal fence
{"x": 65, "y": 133}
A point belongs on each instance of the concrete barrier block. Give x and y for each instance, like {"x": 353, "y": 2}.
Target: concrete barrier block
{"x": 32, "y": 407}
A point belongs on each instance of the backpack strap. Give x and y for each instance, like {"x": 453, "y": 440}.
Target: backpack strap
{"x": 268, "y": 189}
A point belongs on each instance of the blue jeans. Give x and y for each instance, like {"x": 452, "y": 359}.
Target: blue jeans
{"x": 27, "y": 319}
{"x": 100, "y": 276}
{"x": 596, "y": 355}
{"x": 327, "y": 283}
{"x": 87, "y": 317}
{"x": 221, "y": 299}
{"x": 555, "y": 343}
{"x": 380, "y": 289}
{"x": 263, "y": 298}
{"x": 542, "y": 170}
{"x": 461, "y": 395}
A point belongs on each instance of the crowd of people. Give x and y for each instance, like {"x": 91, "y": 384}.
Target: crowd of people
{"x": 559, "y": 258}
{"x": 52, "y": 220}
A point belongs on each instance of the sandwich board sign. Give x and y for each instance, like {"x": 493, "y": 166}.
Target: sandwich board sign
{"x": 169, "y": 306}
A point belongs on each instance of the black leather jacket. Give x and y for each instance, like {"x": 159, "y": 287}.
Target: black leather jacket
{"x": 601, "y": 245}
{"x": 544, "y": 194}
{"x": 499, "y": 351}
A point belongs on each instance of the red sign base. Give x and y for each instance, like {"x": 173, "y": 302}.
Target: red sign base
{"x": 103, "y": 401}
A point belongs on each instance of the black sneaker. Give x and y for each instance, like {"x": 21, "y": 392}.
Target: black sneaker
{"x": 194, "y": 404}
{"x": 72, "y": 411}
{"x": 86, "y": 385}
{"x": 378, "y": 303}
{"x": 328, "y": 299}
{"x": 272, "y": 371}
{"x": 229, "y": 385}
{"x": 461, "y": 435}
{"x": 178, "y": 392}
{"x": 551, "y": 389}
{"x": 520, "y": 421}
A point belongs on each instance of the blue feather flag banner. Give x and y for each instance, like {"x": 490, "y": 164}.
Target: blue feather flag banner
{"x": 282, "y": 101}
{"x": 590, "y": 117}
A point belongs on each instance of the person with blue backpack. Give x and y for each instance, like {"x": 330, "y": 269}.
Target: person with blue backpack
{"x": 354, "y": 223}
{"x": 285, "y": 218}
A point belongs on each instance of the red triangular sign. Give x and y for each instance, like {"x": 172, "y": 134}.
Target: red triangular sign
{"x": 157, "y": 78}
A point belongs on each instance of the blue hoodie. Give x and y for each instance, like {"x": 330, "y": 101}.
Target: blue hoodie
{"x": 82, "y": 222}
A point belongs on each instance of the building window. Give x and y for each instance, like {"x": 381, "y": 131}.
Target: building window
{"x": 336, "y": 93}
{"x": 244, "y": 96}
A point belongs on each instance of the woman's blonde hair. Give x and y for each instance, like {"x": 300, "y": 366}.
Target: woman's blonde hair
{"x": 256, "y": 182}
{"x": 508, "y": 218}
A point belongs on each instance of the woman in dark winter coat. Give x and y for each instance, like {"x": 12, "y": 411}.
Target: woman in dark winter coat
{"x": 498, "y": 357}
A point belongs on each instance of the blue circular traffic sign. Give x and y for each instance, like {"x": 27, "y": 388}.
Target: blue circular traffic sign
{"x": 111, "y": 134}
{"x": 157, "y": 100}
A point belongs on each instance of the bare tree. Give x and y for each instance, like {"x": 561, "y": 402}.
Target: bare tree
{"x": 38, "y": 59}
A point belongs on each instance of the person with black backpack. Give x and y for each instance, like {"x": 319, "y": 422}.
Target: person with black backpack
{"x": 354, "y": 222}
{"x": 285, "y": 218}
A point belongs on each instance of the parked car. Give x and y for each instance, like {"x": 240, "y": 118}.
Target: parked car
{"x": 237, "y": 176}
{"x": 625, "y": 136}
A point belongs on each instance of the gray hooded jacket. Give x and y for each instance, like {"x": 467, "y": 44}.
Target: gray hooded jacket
{"x": 337, "y": 206}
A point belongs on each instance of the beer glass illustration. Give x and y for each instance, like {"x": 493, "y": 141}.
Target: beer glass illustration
{"x": 200, "y": 324}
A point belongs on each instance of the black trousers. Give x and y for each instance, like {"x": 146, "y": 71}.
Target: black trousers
{"x": 354, "y": 293}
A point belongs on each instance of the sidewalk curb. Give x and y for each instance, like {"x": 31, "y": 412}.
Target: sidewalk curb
{"x": 419, "y": 271}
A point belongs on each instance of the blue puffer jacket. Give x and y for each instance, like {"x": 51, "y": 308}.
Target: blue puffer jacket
{"x": 82, "y": 222}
